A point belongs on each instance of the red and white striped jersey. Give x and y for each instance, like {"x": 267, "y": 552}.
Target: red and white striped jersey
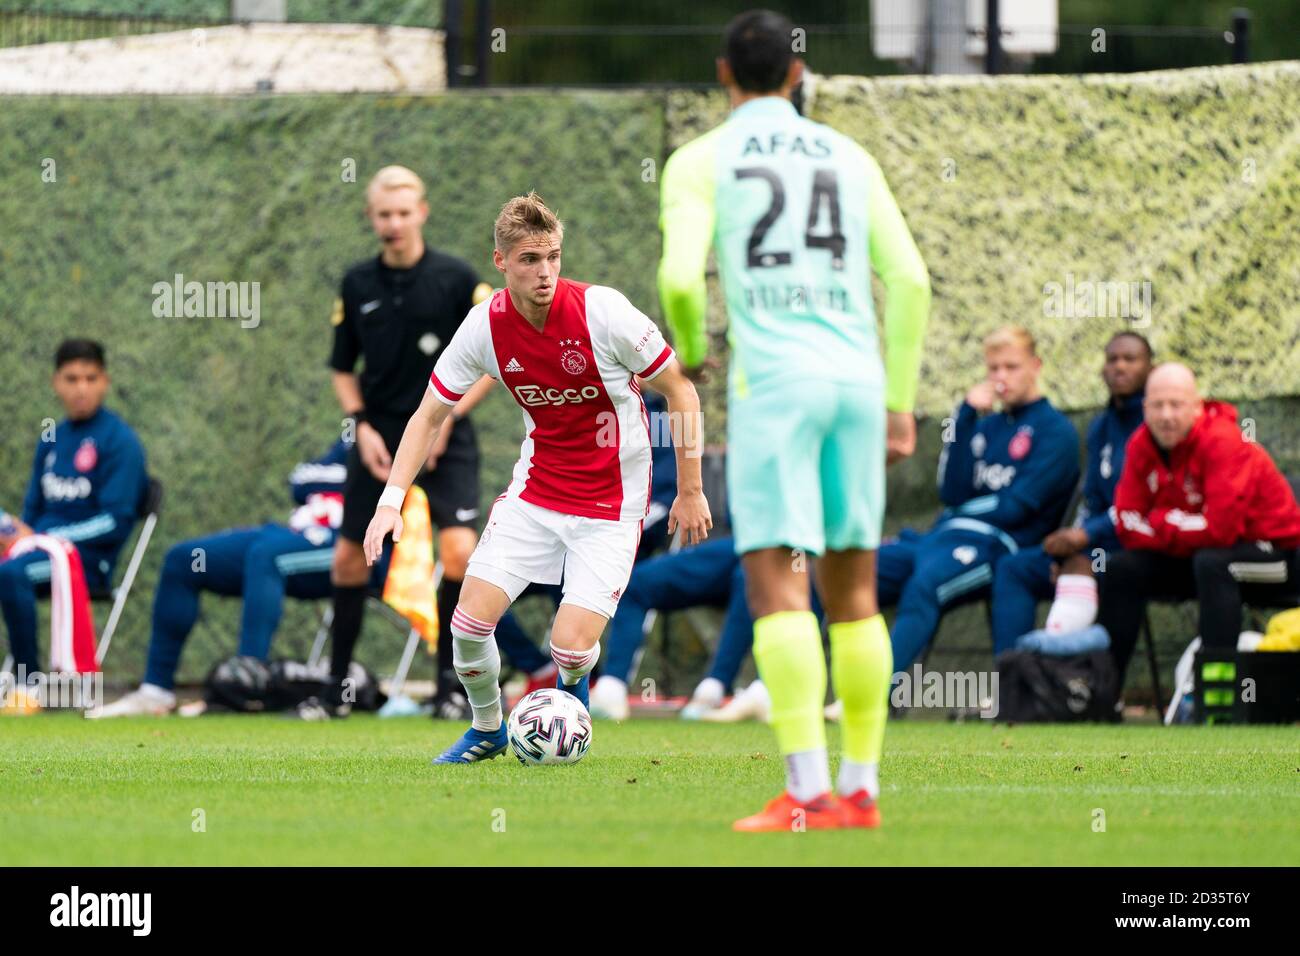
{"x": 586, "y": 448}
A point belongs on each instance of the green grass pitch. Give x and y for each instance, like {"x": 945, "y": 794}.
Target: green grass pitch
{"x": 273, "y": 791}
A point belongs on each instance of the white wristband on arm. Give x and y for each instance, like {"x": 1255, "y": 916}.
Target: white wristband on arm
{"x": 393, "y": 497}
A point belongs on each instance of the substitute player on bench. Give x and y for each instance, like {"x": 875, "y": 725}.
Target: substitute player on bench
{"x": 570, "y": 354}
{"x": 796, "y": 212}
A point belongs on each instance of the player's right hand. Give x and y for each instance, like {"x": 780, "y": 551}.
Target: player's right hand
{"x": 386, "y": 520}
{"x": 900, "y": 436}
{"x": 982, "y": 396}
{"x": 374, "y": 453}
{"x": 690, "y": 513}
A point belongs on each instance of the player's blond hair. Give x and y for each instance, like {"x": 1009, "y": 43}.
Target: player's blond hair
{"x": 395, "y": 177}
{"x": 1011, "y": 335}
{"x": 522, "y": 217}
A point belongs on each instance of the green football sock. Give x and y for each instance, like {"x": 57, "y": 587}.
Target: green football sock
{"x": 788, "y": 651}
{"x": 862, "y": 664}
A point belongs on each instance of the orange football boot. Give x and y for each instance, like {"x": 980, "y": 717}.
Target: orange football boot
{"x": 859, "y": 810}
{"x": 785, "y": 813}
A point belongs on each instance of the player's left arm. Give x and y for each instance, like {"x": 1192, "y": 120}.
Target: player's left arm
{"x": 687, "y": 219}
{"x": 897, "y": 260}
{"x": 690, "y": 510}
{"x": 637, "y": 344}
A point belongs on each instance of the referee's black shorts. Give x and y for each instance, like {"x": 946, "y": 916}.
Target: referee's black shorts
{"x": 452, "y": 487}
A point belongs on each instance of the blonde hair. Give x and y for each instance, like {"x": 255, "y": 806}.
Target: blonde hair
{"x": 395, "y": 177}
{"x": 1011, "y": 335}
{"x": 522, "y": 217}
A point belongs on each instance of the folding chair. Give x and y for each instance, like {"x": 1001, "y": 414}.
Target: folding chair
{"x": 149, "y": 510}
{"x": 1147, "y": 636}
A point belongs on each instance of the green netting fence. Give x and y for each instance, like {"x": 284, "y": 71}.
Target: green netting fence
{"x": 1188, "y": 181}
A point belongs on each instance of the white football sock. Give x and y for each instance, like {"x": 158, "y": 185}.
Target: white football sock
{"x": 1075, "y": 606}
{"x": 856, "y": 776}
{"x": 807, "y": 774}
{"x": 478, "y": 665}
{"x": 574, "y": 665}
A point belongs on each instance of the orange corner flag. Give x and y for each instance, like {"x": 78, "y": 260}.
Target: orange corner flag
{"x": 408, "y": 589}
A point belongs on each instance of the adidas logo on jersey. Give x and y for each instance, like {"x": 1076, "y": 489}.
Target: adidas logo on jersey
{"x": 514, "y": 365}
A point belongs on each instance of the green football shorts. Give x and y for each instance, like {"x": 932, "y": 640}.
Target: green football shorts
{"x": 806, "y": 466}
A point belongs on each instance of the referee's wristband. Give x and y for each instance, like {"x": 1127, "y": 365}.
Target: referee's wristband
{"x": 358, "y": 416}
{"x": 393, "y": 497}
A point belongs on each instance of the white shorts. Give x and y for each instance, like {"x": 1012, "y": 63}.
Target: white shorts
{"x": 524, "y": 543}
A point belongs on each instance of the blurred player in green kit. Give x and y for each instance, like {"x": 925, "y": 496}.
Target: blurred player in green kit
{"x": 799, "y": 215}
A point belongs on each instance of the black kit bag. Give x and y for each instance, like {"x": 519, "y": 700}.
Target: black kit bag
{"x": 249, "y": 685}
{"x": 239, "y": 684}
{"x": 292, "y": 682}
{"x": 1035, "y": 687}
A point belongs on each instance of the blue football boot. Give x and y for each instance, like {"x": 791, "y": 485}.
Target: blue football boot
{"x": 580, "y": 690}
{"x": 475, "y": 745}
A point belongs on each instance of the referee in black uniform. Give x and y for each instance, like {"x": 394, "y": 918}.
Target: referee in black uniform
{"x": 397, "y": 312}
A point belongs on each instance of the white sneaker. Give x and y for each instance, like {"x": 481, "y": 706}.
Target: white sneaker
{"x": 609, "y": 699}
{"x": 708, "y": 696}
{"x": 752, "y": 703}
{"x": 834, "y": 711}
{"x": 147, "y": 701}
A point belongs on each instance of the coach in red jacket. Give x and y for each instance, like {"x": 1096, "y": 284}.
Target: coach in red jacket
{"x": 1201, "y": 512}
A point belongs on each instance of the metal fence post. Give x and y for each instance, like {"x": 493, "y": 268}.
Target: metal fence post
{"x": 1240, "y": 35}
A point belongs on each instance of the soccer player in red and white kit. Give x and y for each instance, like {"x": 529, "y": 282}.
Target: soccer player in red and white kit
{"x": 573, "y": 356}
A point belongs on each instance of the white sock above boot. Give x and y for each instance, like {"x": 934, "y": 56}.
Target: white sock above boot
{"x": 1075, "y": 606}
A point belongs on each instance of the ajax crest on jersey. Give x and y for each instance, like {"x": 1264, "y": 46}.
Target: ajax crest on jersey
{"x": 86, "y": 457}
{"x": 549, "y": 726}
{"x": 574, "y": 362}
{"x": 1021, "y": 442}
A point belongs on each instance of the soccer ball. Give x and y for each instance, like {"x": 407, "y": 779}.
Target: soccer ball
{"x": 549, "y": 726}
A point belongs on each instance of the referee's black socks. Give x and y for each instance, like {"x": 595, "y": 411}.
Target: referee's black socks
{"x": 349, "y": 608}
{"x": 448, "y": 598}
